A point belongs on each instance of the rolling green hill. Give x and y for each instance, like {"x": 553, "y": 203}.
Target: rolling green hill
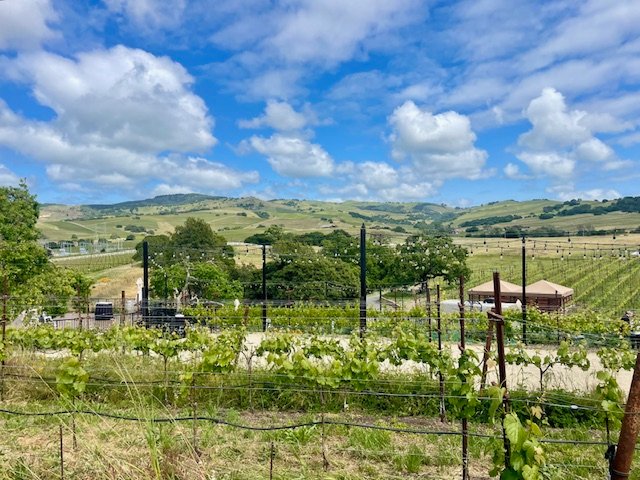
{"x": 238, "y": 218}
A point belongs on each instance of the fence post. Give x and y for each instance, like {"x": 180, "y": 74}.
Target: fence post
{"x": 264, "y": 288}
{"x": 79, "y": 304}
{"x": 629, "y": 430}
{"x": 61, "y": 455}
{"x": 145, "y": 282}
{"x": 363, "y": 280}
{"x": 497, "y": 317}
{"x": 524, "y": 291}
{"x": 123, "y": 303}
{"x": 5, "y": 297}
{"x": 440, "y": 376}
{"x": 465, "y": 421}
{"x": 428, "y": 299}
{"x": 485, "y": 356}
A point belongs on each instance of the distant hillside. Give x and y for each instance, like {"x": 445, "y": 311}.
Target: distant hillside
{"x": 238, "y": 218}
{"x": 160, "y": 200}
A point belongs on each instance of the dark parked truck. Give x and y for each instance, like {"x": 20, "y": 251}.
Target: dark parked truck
{"x": 104, "y": 311}
{"x": 167, "y": 319}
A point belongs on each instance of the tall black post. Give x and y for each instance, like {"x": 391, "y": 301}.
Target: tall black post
{"x": 524, "y": 291}
{"x": 264, "y": 288}
{"x": 145, "y": 281}
{"x": 363, "y": 280}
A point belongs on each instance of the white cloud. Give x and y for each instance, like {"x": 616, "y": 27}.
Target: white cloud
{"x": 594, "y": 150}
{"x": 568, "y": 192}
{"x": 122, "y": 117}
{"x": 439, "y": 146}
{"x": 378, "y": 175}
{"x": 588, "y": 50}
{"x": 553, "y": 125}
{"x": 195, "y": 174}
{"x": 7, "y": 177}
{"x": 629, "y": 140}
{"x": 549, "y": 164}
{"x": 293, "y": 156}
{"x": 68, "y": 160}
{"x": 25, "y": 24}
{"x": 597, "y": 26}
{"x": 202, "y": 174}
{"x": 349, "y": 87}
{"x": 281, "y": 116}
{"x": 399, "y": 192}
{"x": 561, "y": 139}
{"x": 513, "y": 172}
{"x": 119, "y": 98}
{"x": 331, "y": 31}
{"x": 165, "y": 189}
{"x": 150, "y": 15}
{"x": 303, "y": 38}
{"x": 116, "y": 112}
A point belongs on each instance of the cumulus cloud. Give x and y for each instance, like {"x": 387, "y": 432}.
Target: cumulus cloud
{"x": 7, "y": 177}
{"x": 121, "y": 116}
{"x": 199, "y": 173}
{"x": 120, "y": 97}
{"x": 440, "y": 146}
{"x": 512, "y": 171}
{"x": 588, "y": 50}
{"x": 561, "y": 139}
{"x": 379, "y": 181}
{"x": 293, "y": 156}
{"x": 400, "y": 192}
{"x": 281, "y": 116}
{"x": 553, "y": 124}
{"x": 548, "y": 163}
{"x": 44, "y": 142}
{"x": 568, "y": 192}
{"x": 431, "y": 148}
{"x": 25, "y": 24}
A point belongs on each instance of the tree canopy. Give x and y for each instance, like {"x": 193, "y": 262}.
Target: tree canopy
{"x": 422, "y": 258}
{"x": 32, "y": 279}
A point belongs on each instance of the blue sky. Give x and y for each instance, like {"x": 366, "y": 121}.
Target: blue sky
{"x": 461, "y": 102}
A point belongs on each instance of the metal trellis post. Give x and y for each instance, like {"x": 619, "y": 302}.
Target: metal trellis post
{"x": 363, "y": 280}
{"x": 264, "y": 288}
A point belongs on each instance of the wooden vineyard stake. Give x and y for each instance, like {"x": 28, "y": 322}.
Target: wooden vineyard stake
{"x": 61, "y": 455}
{"x": 629, "y": 430}
{"x": 485, "y": 356}
{"x": 496, "y": 316}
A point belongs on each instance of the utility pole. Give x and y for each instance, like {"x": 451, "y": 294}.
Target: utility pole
{"x": 363, "y": 280}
